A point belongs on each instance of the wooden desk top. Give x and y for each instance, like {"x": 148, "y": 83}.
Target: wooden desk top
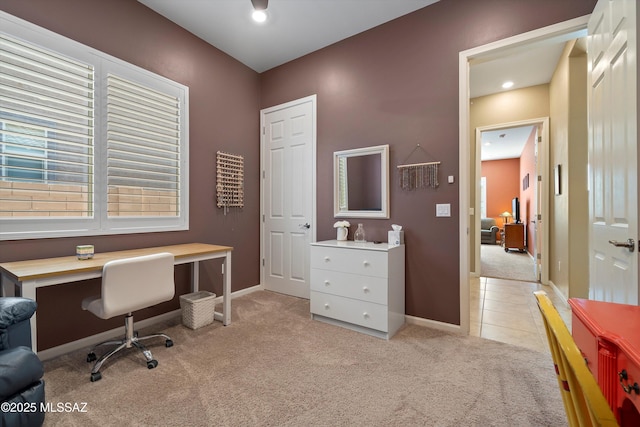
{"x": 40, "y": 268}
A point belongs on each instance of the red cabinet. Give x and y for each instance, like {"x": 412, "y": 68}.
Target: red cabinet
{"x": 608, "y": 335}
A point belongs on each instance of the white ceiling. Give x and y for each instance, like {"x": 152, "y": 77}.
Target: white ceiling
{"x": 527, "y": 65}
{"x": 504, "y": 143}
{"x": 297, "y": 27}
{"x": 293, "y": 29}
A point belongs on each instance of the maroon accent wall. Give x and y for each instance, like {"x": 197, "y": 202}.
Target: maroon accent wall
{"x": 397, "y": 84}
{"x": 223, "y": 115}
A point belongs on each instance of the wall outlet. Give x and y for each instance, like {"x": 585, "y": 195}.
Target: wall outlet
{"x": 443, "y": 209}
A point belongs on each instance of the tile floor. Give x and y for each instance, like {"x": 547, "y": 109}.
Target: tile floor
{"x": 506, "y": 311}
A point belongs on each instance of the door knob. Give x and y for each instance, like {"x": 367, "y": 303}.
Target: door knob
{"x": 630, "y": 243}
{"x": 307, "y": 225}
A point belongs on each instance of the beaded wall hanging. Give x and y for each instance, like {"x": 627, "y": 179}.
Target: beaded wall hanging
{"x": 230, "y": 181}
{"x": 418, "y": 175}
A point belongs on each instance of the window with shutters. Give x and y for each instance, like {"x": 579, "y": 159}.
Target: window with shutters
{"x": 89, "y": 144}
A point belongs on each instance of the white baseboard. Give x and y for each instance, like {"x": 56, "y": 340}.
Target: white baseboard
{"x": 558, "y": 293}
{"x": 434, "y": 324}
{"x": 244, "y": 291}
{"x": 92, "y": 340}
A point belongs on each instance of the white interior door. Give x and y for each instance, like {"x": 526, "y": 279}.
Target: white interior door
{"x": 536, "y": 216}
{"x": 288, "y": 195}
{"x": 612, "y": 152}
{"x": 541, "y": 182}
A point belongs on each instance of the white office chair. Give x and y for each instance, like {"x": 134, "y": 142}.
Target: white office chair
{"x": 128, "y": 285}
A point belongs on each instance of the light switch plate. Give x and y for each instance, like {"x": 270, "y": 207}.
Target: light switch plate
{"x": 443, "y": 209}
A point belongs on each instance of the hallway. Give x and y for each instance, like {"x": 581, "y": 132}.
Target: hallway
{"x": 507, "y": 311}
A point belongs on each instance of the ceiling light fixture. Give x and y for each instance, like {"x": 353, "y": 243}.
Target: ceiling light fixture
{"x": 259, "y": 15}
{"x": 507, "y": 84}
{"x": 259, "y": 10}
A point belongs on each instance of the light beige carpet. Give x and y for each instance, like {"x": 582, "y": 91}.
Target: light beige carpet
{"x": 513, "y": 265}
{"x": 274, "y": 366}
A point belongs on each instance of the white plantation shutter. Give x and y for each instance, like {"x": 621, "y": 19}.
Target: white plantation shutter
{"x": 143, "y": 150}
{"x": 46, "y": 132}
{"x": 89, "y": 144}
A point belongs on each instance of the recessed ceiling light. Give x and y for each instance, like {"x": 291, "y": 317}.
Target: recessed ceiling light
{"x": 507, "y": 84}
{"x": 259, "y": 15}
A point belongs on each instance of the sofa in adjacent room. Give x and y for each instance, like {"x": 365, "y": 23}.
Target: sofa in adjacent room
{"x": 488, "y": 231}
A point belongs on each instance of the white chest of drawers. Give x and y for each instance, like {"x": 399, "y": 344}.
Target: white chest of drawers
{"x": 359, "y": 286}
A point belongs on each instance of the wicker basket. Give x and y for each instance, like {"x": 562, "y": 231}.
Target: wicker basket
{"x": 197, "y": 309}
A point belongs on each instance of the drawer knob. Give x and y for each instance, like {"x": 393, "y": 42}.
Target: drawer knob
{"x": 623, "y": 383}
{"x": 326, "y": 306}
{"x": 365, "y": 289}
{"x": 327, "y": 259}
{"x": 326, "y": 283}
{"x": 365, "y": 315}
{"x": 365, "y": 263}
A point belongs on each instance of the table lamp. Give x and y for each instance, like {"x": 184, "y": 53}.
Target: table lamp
{"x": 505, "y": 217}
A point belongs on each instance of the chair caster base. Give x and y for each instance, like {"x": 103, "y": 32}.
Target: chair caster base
{"x": 152, "y": 364}
{"x": 91, "y": 357}
{"x": 96, "y": 376}
{"x": 168, "y": 343}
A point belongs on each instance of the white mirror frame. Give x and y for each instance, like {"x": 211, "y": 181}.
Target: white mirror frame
{"x": 383, "y": 150}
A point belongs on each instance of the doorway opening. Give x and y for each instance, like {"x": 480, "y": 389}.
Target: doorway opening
{"x": 469, "y": 220}
{"x": 508, "y": 162}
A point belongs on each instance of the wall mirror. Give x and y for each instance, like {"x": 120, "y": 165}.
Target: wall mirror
{"x": 361, "y": 182}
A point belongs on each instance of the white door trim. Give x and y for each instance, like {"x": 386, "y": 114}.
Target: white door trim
{"x": 313, "y": 229}
{"x": 497, "y": 48}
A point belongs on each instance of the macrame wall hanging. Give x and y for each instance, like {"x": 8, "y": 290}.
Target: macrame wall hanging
{"x": 418, "y": 175}
{"x": 230, "y": 181}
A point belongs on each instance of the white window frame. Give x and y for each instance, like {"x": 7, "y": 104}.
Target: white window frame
{"x": 483, "y": 197}
{"x": 47, "y": 227}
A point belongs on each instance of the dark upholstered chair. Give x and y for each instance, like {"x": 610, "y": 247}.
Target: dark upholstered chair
{"x": 488, "y": 231}
{"x": 21, "y": 383}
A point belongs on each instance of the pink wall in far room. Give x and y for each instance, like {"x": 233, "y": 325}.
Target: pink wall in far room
{"x": 503, "y": 184}
{"x": 528, "y": 195}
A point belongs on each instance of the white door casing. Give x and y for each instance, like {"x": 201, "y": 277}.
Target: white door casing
{"x": 288, "y": 195}
{"x": 498, "y": 48}
{"x": 611, "y": 53}
{"x": 542, "y": 194}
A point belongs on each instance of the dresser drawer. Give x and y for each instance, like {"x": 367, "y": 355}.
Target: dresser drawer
{"x": 361, "y": 313}
{"x": 366, "y": 288}
{"x": 587, "y": 343}
{"x": 354, "y": 261}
